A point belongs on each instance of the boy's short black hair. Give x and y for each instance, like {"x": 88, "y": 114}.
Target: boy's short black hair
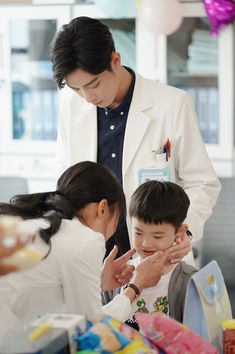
{"x": 156, "y": 202}
{"x": 84, "y": 43}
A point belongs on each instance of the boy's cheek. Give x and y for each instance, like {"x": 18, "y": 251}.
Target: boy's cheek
{"x": 136, "y": 244}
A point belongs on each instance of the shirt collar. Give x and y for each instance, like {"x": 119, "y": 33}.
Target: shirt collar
{"x": 127, "y": 99}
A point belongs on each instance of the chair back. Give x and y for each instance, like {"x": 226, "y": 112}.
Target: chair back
{"x": 11, "y": 186}
{"x": 219, "y": 233}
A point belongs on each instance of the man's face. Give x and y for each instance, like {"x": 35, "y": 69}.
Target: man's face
{"x": 150, "y": 238}
{"x": 101, "y": 89}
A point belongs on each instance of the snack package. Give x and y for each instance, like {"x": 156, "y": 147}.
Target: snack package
{"x": 108, "y": 335}
{"x": 228, "y": 336}
{"x": 54, "y": 342}
{"x": 171, "y": 336}
{"x": 9, "y": 223}
{"x": 26, "y": 257}
{"x": 16, "y": 229}
{"x": 69, "y": 322}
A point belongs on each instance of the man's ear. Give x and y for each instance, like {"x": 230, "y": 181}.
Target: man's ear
{"x": 102, "y": 208}
{"x": 181, "y": 230}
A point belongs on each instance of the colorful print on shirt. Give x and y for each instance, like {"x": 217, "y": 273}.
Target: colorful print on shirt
{"x": 140, "y": 303}
{"x": 160, "y": 305}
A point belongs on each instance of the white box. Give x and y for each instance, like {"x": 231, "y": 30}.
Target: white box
{"x": 66, "y": 321}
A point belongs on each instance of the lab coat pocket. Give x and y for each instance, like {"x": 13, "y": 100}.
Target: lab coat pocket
{"x": 160, "y": 160}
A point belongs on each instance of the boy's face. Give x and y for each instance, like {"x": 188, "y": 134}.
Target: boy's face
{"x": 150, "y": 238}
{"x": 102, "y": 89}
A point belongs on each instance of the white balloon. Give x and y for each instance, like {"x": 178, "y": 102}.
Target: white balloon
{"x": 160, "y": 16}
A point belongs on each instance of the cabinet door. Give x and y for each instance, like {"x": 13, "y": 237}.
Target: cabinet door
{"x": 30, "y": 111}
{"x": 203, "y": 65}
{"x": 122, "y": 29}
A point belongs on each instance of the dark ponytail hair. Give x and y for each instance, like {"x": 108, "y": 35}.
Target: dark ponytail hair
{"x": 81, "y": 184}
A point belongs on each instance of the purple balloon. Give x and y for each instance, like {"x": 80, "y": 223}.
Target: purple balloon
{"x": 220, "y": 13}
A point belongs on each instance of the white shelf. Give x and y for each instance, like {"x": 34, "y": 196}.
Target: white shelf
{"x": 186, "y": 74}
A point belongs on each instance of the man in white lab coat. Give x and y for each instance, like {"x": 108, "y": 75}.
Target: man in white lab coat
{"x": 141, "y": 129}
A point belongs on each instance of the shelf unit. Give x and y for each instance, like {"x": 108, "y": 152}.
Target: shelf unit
{"x": 35, "y": 158}
{"x": 26, "y": 85}
{"x": 220, "y": 83}
{"x": 30, "y": 110}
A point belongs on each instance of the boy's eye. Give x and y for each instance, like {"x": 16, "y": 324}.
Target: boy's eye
{"x": 138, "y": 233}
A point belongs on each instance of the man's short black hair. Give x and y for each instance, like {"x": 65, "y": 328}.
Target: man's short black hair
{"x": 156, "y": 202}
{"x": 84, "y": 43}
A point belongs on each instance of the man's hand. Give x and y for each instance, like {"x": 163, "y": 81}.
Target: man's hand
{"x": 116, "y": 272}
{"x": 180, "y": 250}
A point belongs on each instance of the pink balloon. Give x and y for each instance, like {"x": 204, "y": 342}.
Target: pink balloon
{"x": 220, "y": 13}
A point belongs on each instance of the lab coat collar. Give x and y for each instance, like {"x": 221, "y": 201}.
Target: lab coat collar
{"x": 83, "y": 131}
{"x": 137, "y": 122}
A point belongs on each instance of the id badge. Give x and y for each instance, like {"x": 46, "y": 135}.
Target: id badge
{"x": 156, "y": 174}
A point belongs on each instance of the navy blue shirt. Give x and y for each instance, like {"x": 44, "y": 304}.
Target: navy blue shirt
{"x": 111, "y": 132}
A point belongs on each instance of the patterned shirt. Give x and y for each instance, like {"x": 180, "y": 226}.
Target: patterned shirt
{"x": 154, "y": 299}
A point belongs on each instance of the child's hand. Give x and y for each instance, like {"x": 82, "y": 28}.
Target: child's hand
{"x": 116, "y": 272}
{"x": 178, "y": 251}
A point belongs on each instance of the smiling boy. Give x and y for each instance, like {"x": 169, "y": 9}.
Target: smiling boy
{"x": 158, "y": 211}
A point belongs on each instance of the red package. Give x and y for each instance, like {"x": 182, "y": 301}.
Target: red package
{"x": 171, "y": 336}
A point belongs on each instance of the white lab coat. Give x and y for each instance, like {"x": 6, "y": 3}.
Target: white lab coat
{"x": 157, "y": 112}
{"x": 67, "y": 280}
